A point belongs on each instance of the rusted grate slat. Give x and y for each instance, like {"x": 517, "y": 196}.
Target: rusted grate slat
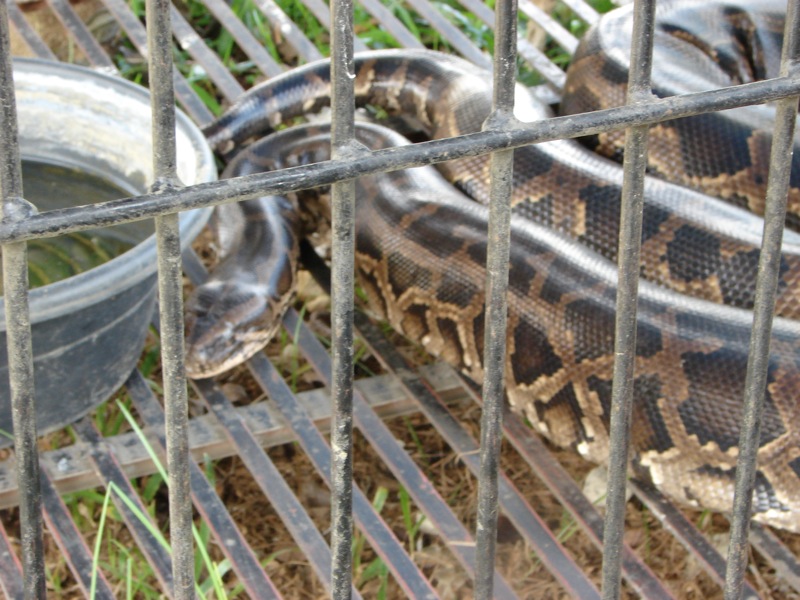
{"x": 32, "y": 39}
{"x": 229, "y": 538}
{"x": 110, "y": 471}
{"x": 71, "y": 543}
{"x": 413, "y": 480}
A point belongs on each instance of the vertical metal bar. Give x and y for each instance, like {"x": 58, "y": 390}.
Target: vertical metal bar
{"x": 18, "y": 329}
{"x": 494, "y": 349}
{"x": 627, "y": 289}
{"x": 170, "y": 294}
{"x": 769, "y": 265}
{"x": 342, "y": 297}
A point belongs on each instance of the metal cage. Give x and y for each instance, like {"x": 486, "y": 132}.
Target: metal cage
{"x": 244, "y": 435}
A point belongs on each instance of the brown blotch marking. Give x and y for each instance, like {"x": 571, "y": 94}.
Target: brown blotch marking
{"x": 452, "y": 350}
{"x": 794, "y": 465}
{"x": 372, "y": 288}
{"x": 715, "y": 375}
{"x": 415, "y": 321}
{"x": 369, "y": 245}
{"x": 454, "y": 288}
{"x": 534, "y": 355}
{"x": 479, "y": 332}
{"x": 592, "y": 330}
{"x": 562, "y": 414}
{"x": 404, "y": 273}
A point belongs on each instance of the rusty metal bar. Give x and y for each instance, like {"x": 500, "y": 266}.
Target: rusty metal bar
{"x": 630, "y": 236}
{"x": 769, "y": 266}
{"x": 18, "y": 328}
{"x": 28, "y": 33}
{"x": 80, "y": 33}
{"x": 138, "y": 37}
{"x": 57, "y": 222}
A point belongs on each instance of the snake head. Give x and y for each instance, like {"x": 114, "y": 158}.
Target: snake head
{"x": 227, "y": 323}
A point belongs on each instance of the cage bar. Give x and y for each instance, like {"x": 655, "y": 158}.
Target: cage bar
{"x": 18, "y": 329}
{"x": 769, "y": 265}
{"x": 630, "y": 239}
{"x": 163, "y": 202}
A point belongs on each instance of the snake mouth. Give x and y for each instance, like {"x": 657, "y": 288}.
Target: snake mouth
{"x": 225, "y": 326}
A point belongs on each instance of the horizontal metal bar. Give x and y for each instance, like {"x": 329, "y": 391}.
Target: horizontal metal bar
{"x": 57, "y": 222}
{"x": 71, "y": 469}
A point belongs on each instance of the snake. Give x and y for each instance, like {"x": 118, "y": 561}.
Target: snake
{"x": 422, "y": 241}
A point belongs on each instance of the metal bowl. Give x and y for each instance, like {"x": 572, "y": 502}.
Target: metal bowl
{"x": 89, "y": 329}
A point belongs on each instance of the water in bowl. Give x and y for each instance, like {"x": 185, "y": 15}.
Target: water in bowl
{"x": 48, "y": 187}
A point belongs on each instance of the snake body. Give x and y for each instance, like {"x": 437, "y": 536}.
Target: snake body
{"x": 421, "y": 255}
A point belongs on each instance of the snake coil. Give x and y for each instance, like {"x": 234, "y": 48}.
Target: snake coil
{"x": 421, "y": 247}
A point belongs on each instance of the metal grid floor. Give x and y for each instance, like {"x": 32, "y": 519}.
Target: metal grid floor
{"x": 227, "y": 431}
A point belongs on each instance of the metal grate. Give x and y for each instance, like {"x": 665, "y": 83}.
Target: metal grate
{"x": 244, "y": 432}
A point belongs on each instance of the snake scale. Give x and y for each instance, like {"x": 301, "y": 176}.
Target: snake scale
{"x": 421, "y": 247}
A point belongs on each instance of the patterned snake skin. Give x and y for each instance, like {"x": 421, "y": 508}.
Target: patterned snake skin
{"x": 422, "y": 245}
